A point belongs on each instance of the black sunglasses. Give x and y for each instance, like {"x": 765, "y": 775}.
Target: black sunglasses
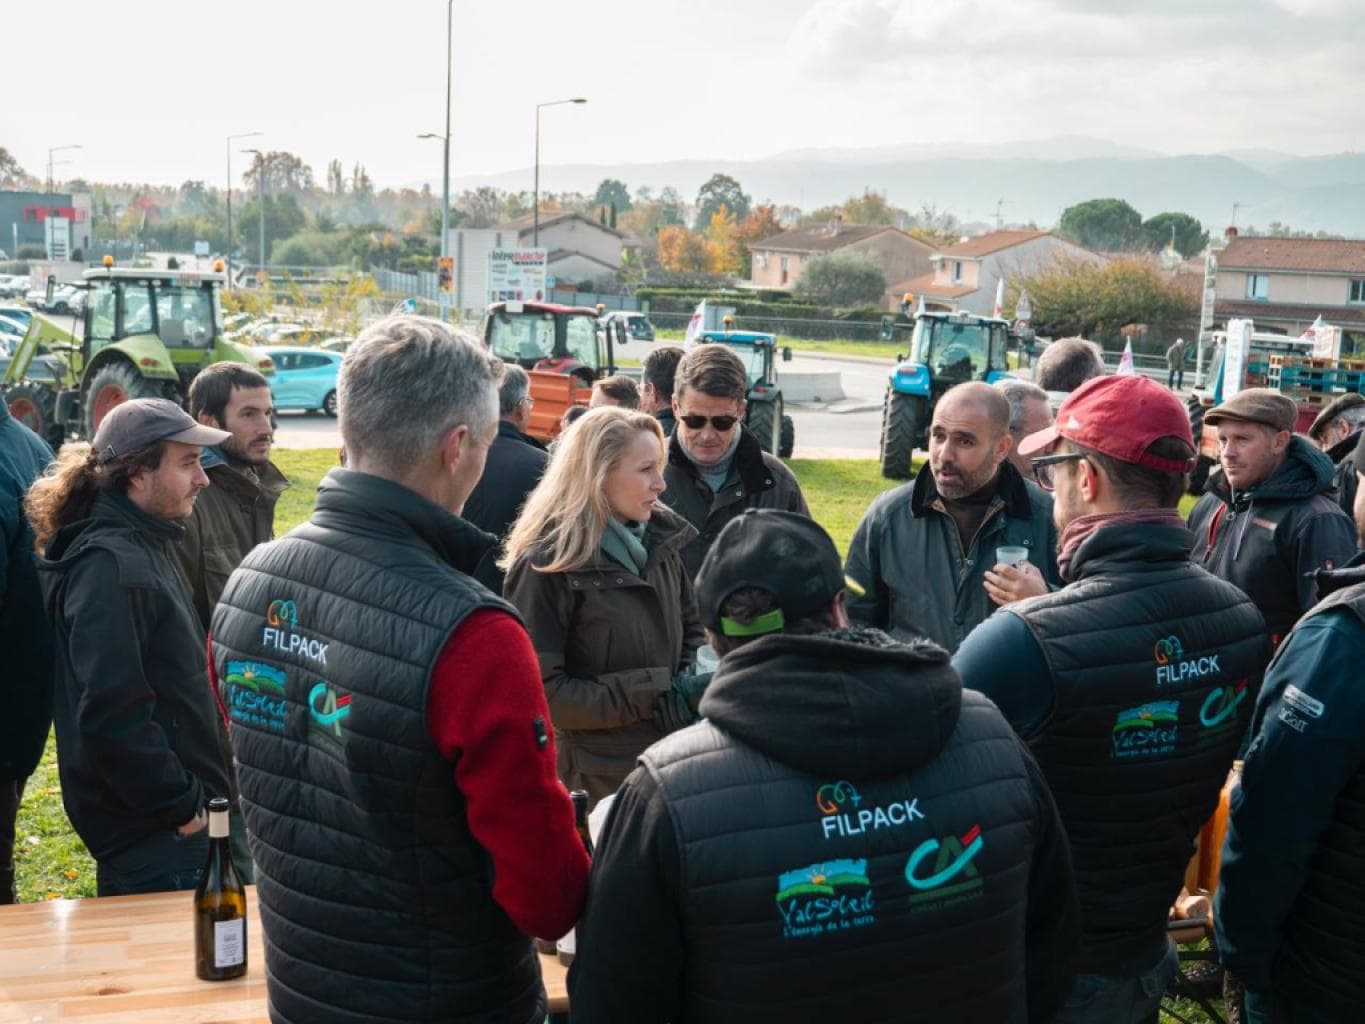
{"x": 721, "y": 423}
{"x": 1045, "y": 467}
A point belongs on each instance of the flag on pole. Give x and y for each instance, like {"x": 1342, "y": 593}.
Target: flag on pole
{"x": 694, "y": 326}
{"x": 1023, "y": 308}
{"x": 1314, "y": 329}
{"x": 999, "y": 298}
{"x": 1126, "y": 361}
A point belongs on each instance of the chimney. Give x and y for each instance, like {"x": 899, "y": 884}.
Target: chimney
{"x": 1229, "y": 233}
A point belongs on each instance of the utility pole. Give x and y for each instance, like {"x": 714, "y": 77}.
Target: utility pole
{"x": 56, "y": 149}
{"x": 535, "y": 194}
{"x": 228, "y": 255}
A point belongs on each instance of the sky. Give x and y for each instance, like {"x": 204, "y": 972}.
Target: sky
{"x": 151, "y": 89}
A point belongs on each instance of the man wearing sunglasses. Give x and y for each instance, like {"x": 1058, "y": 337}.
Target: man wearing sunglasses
{"x": 1133, "y": 684}
{"x": 716, "y": 469}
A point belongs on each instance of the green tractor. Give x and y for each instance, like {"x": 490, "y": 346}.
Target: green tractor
{"x": 764, "y": 415}
{"x": 143, "y": 334}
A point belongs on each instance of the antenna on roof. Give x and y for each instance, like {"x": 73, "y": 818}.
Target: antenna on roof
{"x": 998, "y": 223}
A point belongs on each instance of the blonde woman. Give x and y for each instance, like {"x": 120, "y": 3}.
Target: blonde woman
{"x": 594, "y": 565}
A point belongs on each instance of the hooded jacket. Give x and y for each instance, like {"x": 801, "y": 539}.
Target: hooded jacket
{"x": 139, "y": 739}
{"x": 848, "y": 836}
{"x": 1343, "y": 454}
{"x": 1269, "y": 541}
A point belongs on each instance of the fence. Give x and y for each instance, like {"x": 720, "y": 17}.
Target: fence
{"x": 787, "y": 327}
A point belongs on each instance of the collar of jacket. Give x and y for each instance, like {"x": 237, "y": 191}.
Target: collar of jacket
{"x": 1331, "y": 580}
{"x": 1131, "y": 547}
{"x": 1009, "y": 488}
{"x": 753, "y": 473}
{"x": 509, "y": 430}
{"x": 1306, "y": 471}
{"x": 1344, "y": 447}
{"x": 119, "y": 510}
{"x": 667, "y": 532}
{"x": 244, "y": 480}
{"x": 370, "y": 506}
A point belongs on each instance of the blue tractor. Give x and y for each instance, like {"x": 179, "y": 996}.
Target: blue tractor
{"x": 764, "y": 413}
{"x": 945, "y": 349}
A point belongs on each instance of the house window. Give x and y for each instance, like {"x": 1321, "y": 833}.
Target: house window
{"x": 957, "y": 271}
{"x": 786, "y": 264}
{"x": 762, "y": 261}
{"x": 1258, "y": 286}
{"x": 1357, "y": 291}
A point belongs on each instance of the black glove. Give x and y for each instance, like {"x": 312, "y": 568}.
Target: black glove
{"x": 673, "y": 712}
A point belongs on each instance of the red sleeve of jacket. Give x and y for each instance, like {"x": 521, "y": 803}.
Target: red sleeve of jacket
{"x": 486, "y": 712}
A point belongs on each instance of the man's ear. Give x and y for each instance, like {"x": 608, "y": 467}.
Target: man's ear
{"x": 1003, "y": 447}
{"x": 209, "y": 420}
{"x": 452, "y": 448}
{"x": 1282, "y": 439}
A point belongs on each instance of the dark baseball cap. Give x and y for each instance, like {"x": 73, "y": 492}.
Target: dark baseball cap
{"x": 142, "y": 421}
{"x": 1334, "y": 409}
{"x": 1120, "y": 416}
{"x": 1265, "y": 406}
{"x": 786, "y": 554}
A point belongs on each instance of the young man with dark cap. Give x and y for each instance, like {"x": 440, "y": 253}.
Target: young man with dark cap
{"x": 1268, "y": 519}
{"x": 1132, "y": 684}
{"x": 847, "y": 836}
{"x": 138, "y": 736}
{"x": 1290, "y": 908}
{"x": 1335, "y": 432}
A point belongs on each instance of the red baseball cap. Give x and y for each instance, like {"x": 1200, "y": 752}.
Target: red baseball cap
{"x": 1119, "y": 416}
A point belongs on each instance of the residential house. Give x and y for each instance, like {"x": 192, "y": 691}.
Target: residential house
{"x": 965, "y": 275}
{"x": 779, "y": 261}
{"x": 580, "y": 249}
{"x": 1285, "y": 284}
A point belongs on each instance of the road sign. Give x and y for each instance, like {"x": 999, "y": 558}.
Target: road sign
{"x": 445, "y": 274}
{"x": 517, "y": 275}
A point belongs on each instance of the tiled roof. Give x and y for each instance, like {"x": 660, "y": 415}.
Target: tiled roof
{"x": 924, "y": 285}
{"x": 984, "y": 245}
{"x": 527, "y": 221}
{"x": 1333, "y": 256}
{"x": 1284, "y": 311}
{"x": 823, "y": 238}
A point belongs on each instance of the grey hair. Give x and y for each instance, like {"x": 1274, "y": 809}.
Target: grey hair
{"x": 1355, "y": 415}
{"x": 515, "y": 383}
{"x": 406, "y": 383}
{"x": 1016, "y": 392}
{"x": 1068, "y": 363}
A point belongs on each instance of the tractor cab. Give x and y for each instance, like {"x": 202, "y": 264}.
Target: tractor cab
{"x": 764, "y": 414}
{"x": 551, "y": 338}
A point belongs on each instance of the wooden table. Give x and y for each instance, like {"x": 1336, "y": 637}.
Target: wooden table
{"x": 130, "y": 960}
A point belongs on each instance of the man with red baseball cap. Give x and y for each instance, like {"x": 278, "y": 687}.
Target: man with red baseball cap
{"x": 1133, "y": 683}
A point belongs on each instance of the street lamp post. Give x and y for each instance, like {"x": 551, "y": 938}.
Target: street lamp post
{"x": 535, "y": 196}
{"x": 230, "y": 138}
{"x": 260, "y": 206}
{"x": 56, "y": 149}
{"x": 443, "y": 296}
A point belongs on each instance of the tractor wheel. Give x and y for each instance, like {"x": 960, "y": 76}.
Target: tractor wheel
{"x": 764, "y": 422}
{"x": 900, "y": 428}
{"x": 788, "y": 437}
{"x": 329, "y": 404}
{"x": 112, "y": 385}
{"x": 36, "y": 408}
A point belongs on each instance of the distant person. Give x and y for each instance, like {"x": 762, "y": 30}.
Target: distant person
{"x": 1068, "y": 363}
{"x": 25, "y": 635}
{"x": 619, "y": 390}
{"x": 138, "y": 735}
{"x": 1175, "y": 365}
{"x": 594, "y": 564}
{"x": 924, "y": 553}
{"x": 1335, "y": 431}
{"x": 516, "y": 461}
{"x": 660, "y": 368}
{"x": 847, "y": 836}
{"x": 1030, "y": 412}
{"x": 390, "y": 728}
{"x": 1268, "y": 519}
{"x": 716, "y": 468}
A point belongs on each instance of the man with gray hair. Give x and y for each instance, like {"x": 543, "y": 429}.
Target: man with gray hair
{"x": 1335, "y": 431}
{"x": 1029, "y": 413}
{"x": 1066, "y": 364}
{"x": 393, "y": 746}
{"x": 516, "y": 461}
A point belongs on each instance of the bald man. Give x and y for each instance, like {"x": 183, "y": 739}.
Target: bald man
{"x": 925, "y": 553}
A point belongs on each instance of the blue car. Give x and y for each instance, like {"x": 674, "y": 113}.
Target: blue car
{"x": 305, "y": 378}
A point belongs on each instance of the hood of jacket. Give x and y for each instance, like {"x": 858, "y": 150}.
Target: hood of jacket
{"x": 1306, "y": 471}
{"x": 850, "y": 703}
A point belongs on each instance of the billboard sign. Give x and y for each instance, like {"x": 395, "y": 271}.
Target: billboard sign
{"x": 517, "y": 275}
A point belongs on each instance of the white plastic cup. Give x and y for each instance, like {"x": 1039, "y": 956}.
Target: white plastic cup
{"x": 1012, "y": 555}
{"x": 706, "y": 659}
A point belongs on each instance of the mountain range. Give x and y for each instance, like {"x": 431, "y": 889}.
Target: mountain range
{"x": 1034, "y": 181}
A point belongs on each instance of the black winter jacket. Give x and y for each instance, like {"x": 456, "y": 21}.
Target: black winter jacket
{"x": 140, "y": 743}
{"x": 1270, "y": 540}
{"x": 516, "y": 462}
{"x": 25, "y": 633}
{"x": 1343, "y": 454}
{"x": 848, "y": 836}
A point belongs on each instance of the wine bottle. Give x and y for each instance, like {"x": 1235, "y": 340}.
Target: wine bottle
{"x": 219, "y": 906}
{"x": 567, "y": 947}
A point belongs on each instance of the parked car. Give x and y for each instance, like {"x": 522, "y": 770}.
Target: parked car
{"x": 15, "y": 287}
{"x": 21, "y": 315}
{"x": 637, "y": 325}
{"x": 67, "y": 299}
{"x": 305, "y": 378}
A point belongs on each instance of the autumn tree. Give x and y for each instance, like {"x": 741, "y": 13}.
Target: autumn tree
{"x": 284, "y": 172}
{"x": 12, "y": 175}
{"x": 1082, "y": 297}
{"x": 720, "y": 190}
{"x": 682, "y": 250}
{"x": 762, "y": 222}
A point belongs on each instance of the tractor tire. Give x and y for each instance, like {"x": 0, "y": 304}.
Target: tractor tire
{"x": 36, "y": 408}
{"x": 112, "y": 385}
{"x": 788, "y": 437}
{"x": 765, "y": 423}
{"x": 900, "y": 428}
{"x": 329, "y": 404}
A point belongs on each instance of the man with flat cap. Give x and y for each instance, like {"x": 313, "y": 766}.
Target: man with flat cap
{"x": 848, "y": 835}
{"x": 139, "y": 739}
{"x": 1336, "y": 431}
{"x": 1268, "y": 519}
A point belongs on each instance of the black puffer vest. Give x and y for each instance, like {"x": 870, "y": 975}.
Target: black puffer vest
{"x": 823, "y": 880}
{"x": 375, "y": 899}
{"x": 1321, "y": 961}
{"x": 1156, "y": 665}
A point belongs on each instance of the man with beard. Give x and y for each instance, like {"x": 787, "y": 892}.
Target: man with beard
{"x": 924, "y": 553}
{"x": 237, "y": 510}
{"x": 1133, "y": 684}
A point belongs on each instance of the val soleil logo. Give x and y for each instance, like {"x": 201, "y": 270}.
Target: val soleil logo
{"x": 832, "y": 796}
{"x": 1222, "y": 704}
{"x": 952, "y": 857}
{"x": 283, "y": 613}
{"x": 1168, "y": 650}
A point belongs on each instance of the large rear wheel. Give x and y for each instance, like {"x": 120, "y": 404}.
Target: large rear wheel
{"x": 788, "y": 437}
{"x": 900, "y": 428}
{"x": 36, "y": 408}
{"x": 112, "y": 385}
{"x": 764, "y": 422}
